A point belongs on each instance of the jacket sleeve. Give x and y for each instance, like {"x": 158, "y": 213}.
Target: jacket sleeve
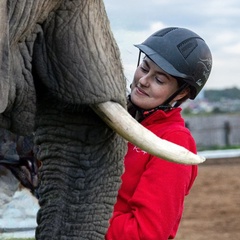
{"x": 155, "y": 208}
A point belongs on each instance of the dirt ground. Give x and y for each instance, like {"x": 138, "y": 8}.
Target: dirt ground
{"x": 212, "y": 210}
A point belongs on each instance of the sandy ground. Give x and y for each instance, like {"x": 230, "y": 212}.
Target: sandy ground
{"x": 212, "y": 210}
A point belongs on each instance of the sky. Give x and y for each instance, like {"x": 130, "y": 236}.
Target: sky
{"x": 216, "y": 21}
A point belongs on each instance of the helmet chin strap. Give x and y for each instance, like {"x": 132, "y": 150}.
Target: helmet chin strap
{"x": 139, "y": 57}
{"x": 147, "y": 112}
{"x": 175, "y": 94}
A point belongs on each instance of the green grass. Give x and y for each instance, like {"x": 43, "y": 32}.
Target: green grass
{"x": 20, "y": 239}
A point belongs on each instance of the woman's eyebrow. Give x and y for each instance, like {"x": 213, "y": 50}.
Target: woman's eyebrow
{"x": 145, "y": 61}
{"x": 164, "y": 74}
{"x": 158, "y": 72}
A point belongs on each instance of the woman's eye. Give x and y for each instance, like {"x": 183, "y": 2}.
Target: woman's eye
{"x": 159, "y": 80}
{"x": 144, "y": 69}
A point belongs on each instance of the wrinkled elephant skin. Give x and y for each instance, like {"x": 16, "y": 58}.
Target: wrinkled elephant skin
{"x": 4, "y": 64}
{"x": 59, "y": 57}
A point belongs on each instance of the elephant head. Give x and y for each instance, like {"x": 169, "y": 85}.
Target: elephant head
{"x": 60, "y": 65}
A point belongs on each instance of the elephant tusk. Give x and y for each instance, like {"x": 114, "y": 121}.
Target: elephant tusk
{"x": 125, "y": 125}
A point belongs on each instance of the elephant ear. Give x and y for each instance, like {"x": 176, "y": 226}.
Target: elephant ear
{"x": 76, "y": 56}
{"x": 4, "y": 57}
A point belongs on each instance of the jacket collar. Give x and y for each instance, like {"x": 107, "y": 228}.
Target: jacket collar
{"x": 160, "y": 115}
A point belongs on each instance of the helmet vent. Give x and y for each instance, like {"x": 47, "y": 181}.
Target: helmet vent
{"x": 163, "y": 32}
{"x": 187, "y": 46}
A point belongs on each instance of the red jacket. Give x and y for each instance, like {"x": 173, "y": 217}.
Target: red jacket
{"x": 150, "y": 200}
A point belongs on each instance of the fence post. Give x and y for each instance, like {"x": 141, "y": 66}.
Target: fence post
{"x": 227, "y": 130}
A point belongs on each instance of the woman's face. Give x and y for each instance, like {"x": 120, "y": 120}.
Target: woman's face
{"x": 151, "y": 86}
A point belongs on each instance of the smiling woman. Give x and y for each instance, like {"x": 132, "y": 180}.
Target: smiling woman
{"x": 149, "y": 205}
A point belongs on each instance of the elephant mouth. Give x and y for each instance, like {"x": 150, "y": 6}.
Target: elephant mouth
{"x": 116, "y": 117}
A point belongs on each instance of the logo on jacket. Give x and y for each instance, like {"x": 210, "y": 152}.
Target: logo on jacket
{"x": 139, "y": 150}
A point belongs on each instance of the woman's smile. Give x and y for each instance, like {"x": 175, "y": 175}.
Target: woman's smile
{"x": 140, "y": 91}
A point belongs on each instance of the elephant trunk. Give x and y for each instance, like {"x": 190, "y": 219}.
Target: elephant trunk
{"x": 121, "y": 122}
{"x": 80, "y": 175}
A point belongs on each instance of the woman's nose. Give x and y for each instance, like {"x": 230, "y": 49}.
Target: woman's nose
{"x": 144, "y": 80}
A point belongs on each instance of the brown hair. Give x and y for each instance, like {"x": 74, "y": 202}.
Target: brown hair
{"x": 181, "y": 82}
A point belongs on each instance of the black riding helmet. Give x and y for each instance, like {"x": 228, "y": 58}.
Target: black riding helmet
{"x": 182, "y": 54}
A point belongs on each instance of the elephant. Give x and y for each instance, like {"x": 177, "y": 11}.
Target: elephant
{"x": 59, "y": 65}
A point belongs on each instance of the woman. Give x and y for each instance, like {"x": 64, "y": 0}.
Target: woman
{"x": 149, "y": 206}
